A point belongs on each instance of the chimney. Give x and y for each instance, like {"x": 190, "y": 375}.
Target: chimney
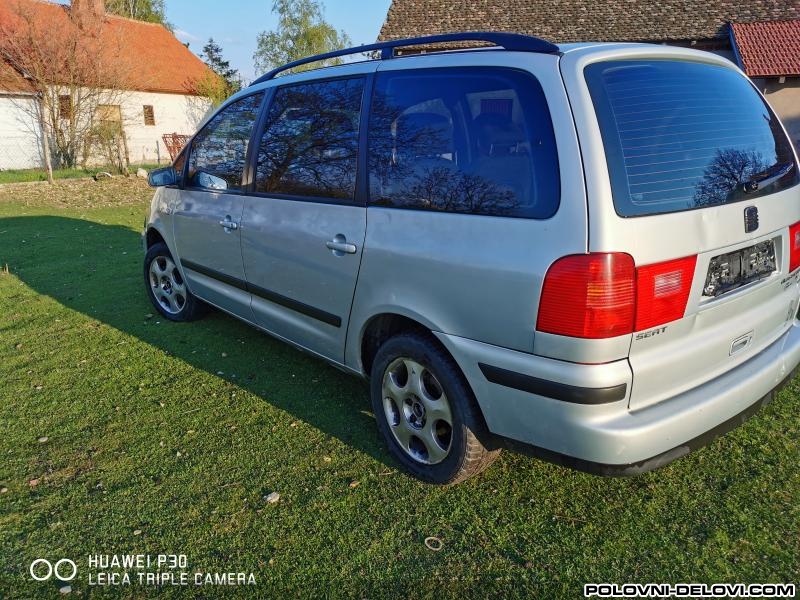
{"x": 88, "y": 13}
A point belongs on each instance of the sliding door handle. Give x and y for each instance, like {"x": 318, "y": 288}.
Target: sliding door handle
{"x": 340, "y": 246}
{"x": 228, "y": 224}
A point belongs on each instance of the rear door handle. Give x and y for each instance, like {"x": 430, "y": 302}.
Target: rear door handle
{"x": 228, "y": 224}
{"x": 340, "y": 246}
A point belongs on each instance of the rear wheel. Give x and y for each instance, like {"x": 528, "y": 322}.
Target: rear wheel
{"x": 166, "y": 287}
{"x": 427, "y": 412}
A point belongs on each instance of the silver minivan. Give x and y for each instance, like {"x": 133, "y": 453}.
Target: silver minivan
{"x": 587, "y": 252}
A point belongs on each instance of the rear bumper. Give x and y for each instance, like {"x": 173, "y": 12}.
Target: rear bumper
{"x": 607, "y": 438}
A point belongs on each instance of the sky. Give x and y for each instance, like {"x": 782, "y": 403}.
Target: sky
{"x": 235, "y": 24}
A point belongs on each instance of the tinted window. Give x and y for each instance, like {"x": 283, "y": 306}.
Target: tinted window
{"x": 684, "y": 135}
{"x": 219, "y": 151}
{"x": 463, "y": 140}
{"x": 310, "y": 141}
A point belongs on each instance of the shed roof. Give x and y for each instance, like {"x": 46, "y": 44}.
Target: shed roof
{"x": 769, "y": 49}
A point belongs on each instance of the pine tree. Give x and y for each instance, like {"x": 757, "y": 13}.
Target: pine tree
{"x": 212, "y": 56}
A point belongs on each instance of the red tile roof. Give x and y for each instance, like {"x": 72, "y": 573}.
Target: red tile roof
{"x": 768, "y": 49}
{"x": 152, "y": 59}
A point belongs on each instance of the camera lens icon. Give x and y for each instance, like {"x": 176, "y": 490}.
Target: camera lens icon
{"x": 42, "y": 569}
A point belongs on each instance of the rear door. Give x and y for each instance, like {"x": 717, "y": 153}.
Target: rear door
{"x": 697, "y": 181}
{"x": 304, "y": 226}
{"x": 208, "y": 215}
{"x": 475, "y": 188}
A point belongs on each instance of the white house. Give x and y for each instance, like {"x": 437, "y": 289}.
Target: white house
{"x": 20, "y": 135}
{"x": 160, "y": 85}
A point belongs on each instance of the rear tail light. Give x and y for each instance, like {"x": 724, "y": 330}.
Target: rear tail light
{"x": 662, "y": 291}
{"x": 794, "y": 246}
{"x": 588, "y": 296}
{"x": 602, "y": 295}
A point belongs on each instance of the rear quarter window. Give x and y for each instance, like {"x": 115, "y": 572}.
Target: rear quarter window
{"x": 463, "y": 140}
{"x": 681, "y": 135}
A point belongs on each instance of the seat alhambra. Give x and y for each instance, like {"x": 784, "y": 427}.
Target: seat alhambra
{"x": 589, "y": 252}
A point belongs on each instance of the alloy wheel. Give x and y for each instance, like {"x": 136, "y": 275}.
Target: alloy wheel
{"x": 167, "y": 285}
{"x": 417, "y": 411}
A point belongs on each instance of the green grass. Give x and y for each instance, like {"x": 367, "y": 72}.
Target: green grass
{"x": 179, "y": 431}
{"x": 28, "y": 175}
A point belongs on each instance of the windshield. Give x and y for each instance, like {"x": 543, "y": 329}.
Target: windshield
{"x": 682, "y": 135}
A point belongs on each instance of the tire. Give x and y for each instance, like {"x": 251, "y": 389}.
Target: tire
{"x": 427, "y": 412}
{"x": 166, "y": 288}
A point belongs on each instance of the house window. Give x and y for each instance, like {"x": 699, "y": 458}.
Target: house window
{"x": 108, "y": 113}
{"x": 109, "y": 118}
{"x": 149, "y": 115}
{"x": 65, "y": 107}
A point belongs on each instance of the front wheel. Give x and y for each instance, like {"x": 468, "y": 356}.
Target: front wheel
{"x": 427, "y": 412}
{"x": 166, "y": 287}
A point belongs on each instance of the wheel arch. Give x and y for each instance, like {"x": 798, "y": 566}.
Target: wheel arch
{"x": 153, "y": 236}
{"x": 385, "y": 324}
{"x": 157, "y": 232}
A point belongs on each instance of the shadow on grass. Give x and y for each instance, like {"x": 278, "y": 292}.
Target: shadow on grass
{"x": 96, "y": 269}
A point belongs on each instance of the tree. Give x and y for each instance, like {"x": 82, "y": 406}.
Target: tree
{"x": 212, "y": 56}
{"x": 302, "y": 31}
{"x": 77, "y": 75}
{"x": 213, "y": 87}
{"x": 725, "y": 175}
{"x": 152, "y": 11}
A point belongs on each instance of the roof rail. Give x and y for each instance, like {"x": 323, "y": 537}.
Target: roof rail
{"x": 507, "y": 41}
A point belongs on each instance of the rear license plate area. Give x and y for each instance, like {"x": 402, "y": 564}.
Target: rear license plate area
{"x": 732, "y": 270}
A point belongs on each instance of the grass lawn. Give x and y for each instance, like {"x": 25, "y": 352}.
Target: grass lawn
{"x": 28, "y": 175}
{"x": 166, "y": 438}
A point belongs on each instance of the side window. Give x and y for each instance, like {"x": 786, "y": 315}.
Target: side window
{"x": 310, "y": 141}
{"x": 219, "y": 151}
{"x": 476, "y": 141}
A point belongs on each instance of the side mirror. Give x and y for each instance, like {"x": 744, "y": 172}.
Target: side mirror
{"x": 162, "y": 177}
{"x": 210, "y": 182}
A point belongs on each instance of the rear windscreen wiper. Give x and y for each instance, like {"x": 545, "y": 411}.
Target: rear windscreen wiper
{"x": 756, "y": 184}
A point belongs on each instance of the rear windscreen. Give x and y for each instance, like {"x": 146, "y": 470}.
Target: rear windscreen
{"x": 682, "y": 135}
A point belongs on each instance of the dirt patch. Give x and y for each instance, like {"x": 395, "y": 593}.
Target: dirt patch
{"x": 78, "y": 193}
